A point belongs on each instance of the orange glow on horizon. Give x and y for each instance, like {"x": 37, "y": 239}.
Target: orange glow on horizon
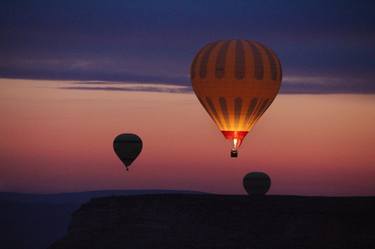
{"x": 60, "y": 140}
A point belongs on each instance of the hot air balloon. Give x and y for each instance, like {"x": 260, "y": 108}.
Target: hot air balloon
{"x": 256, "y": 183}
{"x": 235, "y": 81}
{"x": 127, "y": 147}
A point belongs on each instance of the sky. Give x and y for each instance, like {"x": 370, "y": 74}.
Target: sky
{"x": 74, "y": 74}
{"x": 55, "y": 138}
{"x": 324, "y": 46}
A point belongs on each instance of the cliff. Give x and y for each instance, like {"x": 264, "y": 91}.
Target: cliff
{"x": 216, "y": 221}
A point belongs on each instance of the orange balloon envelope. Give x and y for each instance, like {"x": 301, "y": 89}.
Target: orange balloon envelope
{"x": 235, "y": 81}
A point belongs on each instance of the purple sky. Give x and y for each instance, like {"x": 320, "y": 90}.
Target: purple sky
{"x": 324, "y": 46}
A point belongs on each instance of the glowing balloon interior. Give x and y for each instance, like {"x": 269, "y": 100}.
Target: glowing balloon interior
{"x": 127, "y": 147}
{"x": 235, "y": 81}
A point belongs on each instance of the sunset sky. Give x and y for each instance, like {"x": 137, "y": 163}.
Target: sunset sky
{"x": 74, "y": 75}
{"x": 56, "y": 139}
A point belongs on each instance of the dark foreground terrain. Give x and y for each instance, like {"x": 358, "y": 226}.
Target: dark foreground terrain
{"x": 35, "y": 221}
{"x": 215, "y": 221}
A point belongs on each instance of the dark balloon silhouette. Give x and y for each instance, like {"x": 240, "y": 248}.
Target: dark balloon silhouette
{"x": 127, "y": 147}
{"x": 256, "y": 183}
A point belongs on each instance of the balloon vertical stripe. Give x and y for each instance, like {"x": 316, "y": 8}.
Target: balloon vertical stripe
{"x": 206, "y": 108}
{"x": 224, "y": 109}
{"x": 220, "y": 61}
{"x": 237, "y": 111}
{"x": 262, "y": 108}
{"x": 280, "y": 71}
{"x": 194, "y": 64}
{"x": 250, "y": 110}
{"x": 271, "y": 61}
{"x": 204, "y": 60}
{"x": 240, "y": 61}
{"x": 258, "y": 62}
{"x": 213, "y": 111}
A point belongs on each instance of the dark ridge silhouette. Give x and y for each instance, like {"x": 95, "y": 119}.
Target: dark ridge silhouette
{"x": 81, "y": 197}
{"x": 35, "y": 221}
{"x": 218, "y": 221}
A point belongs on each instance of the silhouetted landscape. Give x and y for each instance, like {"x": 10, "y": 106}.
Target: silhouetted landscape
{"x": 34, "y": 221}
{"x": 222, "y": 221}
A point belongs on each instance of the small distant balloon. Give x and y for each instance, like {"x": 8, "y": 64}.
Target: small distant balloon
{"x": 256, "y": 183}
{"x": 127, "y": 147}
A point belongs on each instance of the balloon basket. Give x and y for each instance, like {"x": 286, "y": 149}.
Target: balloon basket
{"x": 234, "y": 153}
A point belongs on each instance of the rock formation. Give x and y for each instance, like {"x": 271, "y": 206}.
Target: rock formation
{"x": 217, "y": 221}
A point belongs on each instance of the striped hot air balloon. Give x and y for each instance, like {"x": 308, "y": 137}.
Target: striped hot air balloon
{"x": 235, "y": 81}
